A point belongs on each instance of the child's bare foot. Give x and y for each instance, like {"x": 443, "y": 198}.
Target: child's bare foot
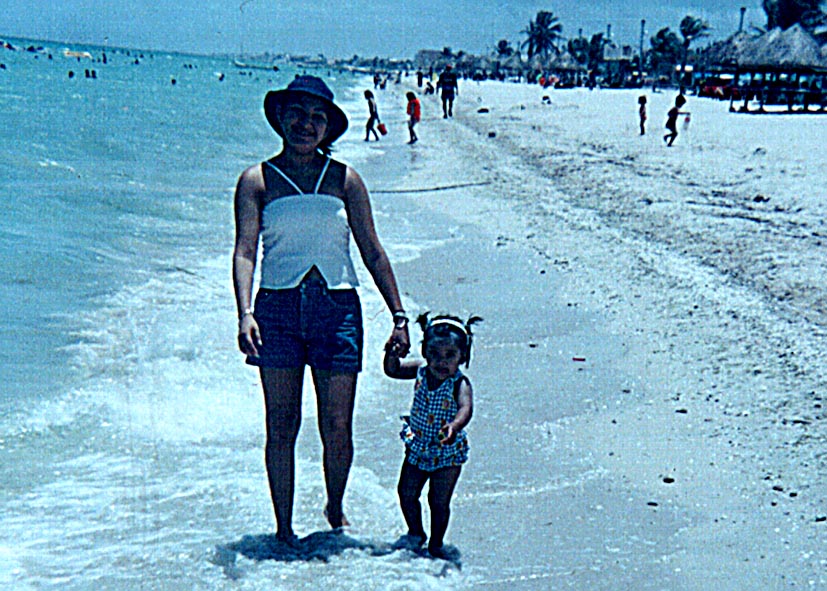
{"x": 437, "y": 551}
{"x": 409, "y": 542}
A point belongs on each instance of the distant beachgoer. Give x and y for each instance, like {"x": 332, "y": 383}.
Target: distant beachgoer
{"x": 449, "y": 88}
{"x": 414, "y": 112}
{"x": 373, "y": 116}
{"x": 672, "y": 119}
{"x": 435, "y": 440}
{"x": 429, "y": 88}
{"x": 376, "y": 80}
{"x": 304, "y": 207}
{"x": 642, "y": 113}
{"x": 419, "y": 76}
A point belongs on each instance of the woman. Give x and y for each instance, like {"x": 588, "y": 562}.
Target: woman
{"x": 305, "y": 206}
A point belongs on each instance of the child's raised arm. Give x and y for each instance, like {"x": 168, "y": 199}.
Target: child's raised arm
{"x": 396, "y": 367}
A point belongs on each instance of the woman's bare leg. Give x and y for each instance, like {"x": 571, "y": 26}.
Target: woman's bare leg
{"x": 282, "y": 398}
{"x": 335, "y": 394}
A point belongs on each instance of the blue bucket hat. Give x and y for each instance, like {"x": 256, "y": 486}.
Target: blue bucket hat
{"x": 307, "y": 86}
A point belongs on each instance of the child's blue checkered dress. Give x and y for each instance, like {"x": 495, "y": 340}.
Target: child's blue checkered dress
{"x": 431, "y": 410}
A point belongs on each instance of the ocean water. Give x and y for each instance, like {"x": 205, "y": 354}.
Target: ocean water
{"x": 131, "y": 432}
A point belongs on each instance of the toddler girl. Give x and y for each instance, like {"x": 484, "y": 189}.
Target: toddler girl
{"x": 436, "y": 445}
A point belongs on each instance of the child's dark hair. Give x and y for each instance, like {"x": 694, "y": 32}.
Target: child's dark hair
{"x": 641, "y": 100}
{"x": 446, "y": 326}
{"x": 680, "y": 100}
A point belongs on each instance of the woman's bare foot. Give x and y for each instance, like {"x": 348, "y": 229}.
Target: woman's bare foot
{"x": 336, "y": 519}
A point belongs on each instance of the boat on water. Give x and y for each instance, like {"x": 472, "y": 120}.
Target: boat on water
{"x": 77, "y": 54}
{"x": 246, "y": 66}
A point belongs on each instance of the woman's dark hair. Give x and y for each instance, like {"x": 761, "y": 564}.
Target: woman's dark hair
{"x": 368, "y": 94}
{"x": 410, "y": 96}
{"x": 446, "y": 326}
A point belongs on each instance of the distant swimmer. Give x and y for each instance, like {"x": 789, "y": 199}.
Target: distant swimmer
{"x": 436, "y": 445}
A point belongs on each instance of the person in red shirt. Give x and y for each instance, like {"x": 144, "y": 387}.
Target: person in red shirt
{"x": 414, "y": 115}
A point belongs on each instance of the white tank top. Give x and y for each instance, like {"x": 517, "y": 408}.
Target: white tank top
{"x": 305, "y": 230}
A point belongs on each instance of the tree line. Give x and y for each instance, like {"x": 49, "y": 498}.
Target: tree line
{"x": 543, "y": 37}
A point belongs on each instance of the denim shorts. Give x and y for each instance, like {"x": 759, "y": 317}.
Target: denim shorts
{"x": 309, "y": 325}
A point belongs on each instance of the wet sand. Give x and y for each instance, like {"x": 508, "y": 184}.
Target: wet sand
{"x": 649, "y": 377}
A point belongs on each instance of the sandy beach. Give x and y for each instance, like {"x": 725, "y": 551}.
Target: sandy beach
{"x": 649, "y": 377}
{"x": 650, "y": 374}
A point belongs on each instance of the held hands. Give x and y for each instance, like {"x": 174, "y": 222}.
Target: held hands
{"x": 249, "y": 336}
{"x": 399, "y": 343}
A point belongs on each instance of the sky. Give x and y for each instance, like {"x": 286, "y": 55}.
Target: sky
{"x": 342, "y": 28}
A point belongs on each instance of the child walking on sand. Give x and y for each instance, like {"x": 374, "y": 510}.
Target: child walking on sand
{"x": 672, "y": 119}
{"x": 435, "y": 443}
{"x": 414, "y": 115}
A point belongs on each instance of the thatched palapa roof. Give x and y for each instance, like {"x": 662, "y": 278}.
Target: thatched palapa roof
{"x": 793, "y": 48}
{"x": 566, "y": 62}
{"x": 726, "y": 52}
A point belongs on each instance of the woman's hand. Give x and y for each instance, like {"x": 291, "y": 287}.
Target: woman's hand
{"x": 399, "y": 342}
{"x": 249, "y": 336}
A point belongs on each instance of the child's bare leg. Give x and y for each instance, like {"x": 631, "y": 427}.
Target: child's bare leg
{"x": 411, "y": 482}
{"x": 443, "y": 482}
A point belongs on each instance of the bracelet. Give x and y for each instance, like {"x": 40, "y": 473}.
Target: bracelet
{"x": 245, "y": 312}
{"x": 400, "y": 319}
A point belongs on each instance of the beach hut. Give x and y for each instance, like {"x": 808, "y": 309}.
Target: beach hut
{"x": 512, "y": 66}
{"x": 723, "y": 55}
{"x": 617, "y": 61}
{"x": 567, "y": 69}
{"x": 781, "y": 68}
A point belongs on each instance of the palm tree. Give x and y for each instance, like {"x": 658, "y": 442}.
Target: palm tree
{"x": 666, "y": 49}
{"x": 503, "y": 49}
{"x": 579, "y": 49}
{"x": 786, "y": 13}
{"x": 543, "y": 34}
{"x": 596, "y": 47}
{"x": 691, "y": 28}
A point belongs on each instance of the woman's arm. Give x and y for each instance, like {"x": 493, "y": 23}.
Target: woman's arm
{"x": 250, "y": 186}
{"x": 360, "y": 217}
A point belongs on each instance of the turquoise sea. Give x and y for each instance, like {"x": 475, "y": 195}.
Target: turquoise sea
{"x": 131, "y": 431}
